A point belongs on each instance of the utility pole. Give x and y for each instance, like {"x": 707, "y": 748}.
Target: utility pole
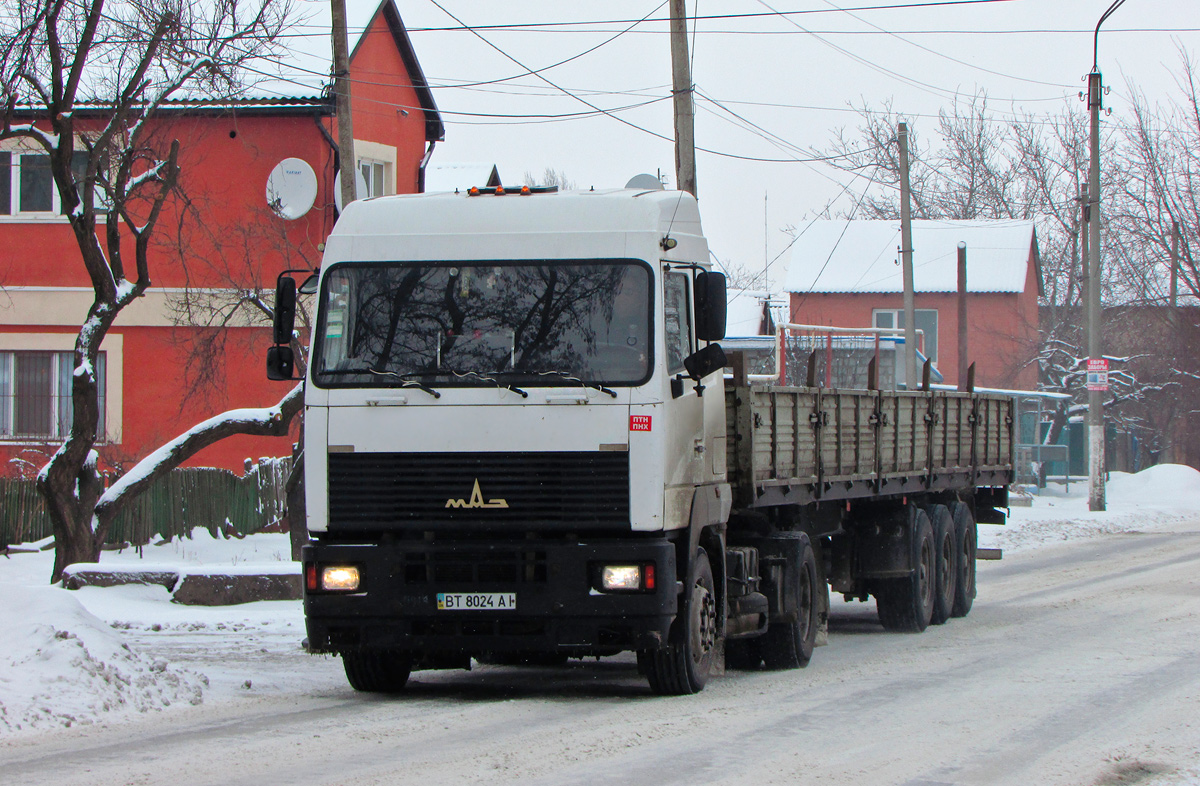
{"x": 766, "y": 263}
{"x": 1096, "y": 497}
{"x": 341, "y": 89}
{"x": 681, "y": 78}
{"x": 963, "y": 355}
{"x": 910, "y": 311}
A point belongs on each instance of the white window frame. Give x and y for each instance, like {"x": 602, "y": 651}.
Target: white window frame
{"x": 375, "y": 174}
{"x": 54, "y": 343}
{"x": 374, "y": 154}
{"x": 18, "y": 150}
{"x": 897, "y": 314}
{"x": 58, "y": 398}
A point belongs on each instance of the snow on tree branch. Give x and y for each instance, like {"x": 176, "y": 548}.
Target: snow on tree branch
{"x": 270, "y": 421}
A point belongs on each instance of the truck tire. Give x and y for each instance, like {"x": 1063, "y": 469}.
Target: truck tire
{"x": 789, "y": 645}
{"x": 377, "y": 672}
{"x": 682, "y": 668}
{"x": 965, "y": 538}
{"x": 947, "y": 563}
{"x": 906, "y": 605}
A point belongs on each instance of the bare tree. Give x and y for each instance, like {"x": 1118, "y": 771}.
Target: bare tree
{"x": 234, "y": 259}
{"x": 122, "y": 60}
{"x": 1159, "y": 185}
{"x": 550, "y": 177}
{"x": 1030, "y": 167}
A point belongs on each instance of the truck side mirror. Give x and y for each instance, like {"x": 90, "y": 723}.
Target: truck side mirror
{"x": 710, "y": 306}
{"x": 705, "y": 361}
{"x": 285, "y": 309}
{"x": 280, "y": 362}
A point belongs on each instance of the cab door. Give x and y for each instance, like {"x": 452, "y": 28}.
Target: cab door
{"x": 685, "y": 447}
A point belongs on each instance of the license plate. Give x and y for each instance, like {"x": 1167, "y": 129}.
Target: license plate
{"x": 476, "y": 601}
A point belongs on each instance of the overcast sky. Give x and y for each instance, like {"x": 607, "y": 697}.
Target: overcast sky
{"x": 774, "y": 85}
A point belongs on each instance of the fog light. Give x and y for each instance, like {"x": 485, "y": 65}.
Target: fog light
{"x": 339, "y": 578}
{"x": 621, "y": 577}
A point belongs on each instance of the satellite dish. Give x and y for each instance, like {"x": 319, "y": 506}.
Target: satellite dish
{"x": 291, "y": 188}
{"x": 645, "y": 182}
{"x": 360, "y": 187}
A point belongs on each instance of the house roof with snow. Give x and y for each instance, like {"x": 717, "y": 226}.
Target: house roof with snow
{"x": 746, "y": 308}
{"x": 864, "y": 256}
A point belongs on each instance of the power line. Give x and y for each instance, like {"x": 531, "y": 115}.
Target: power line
{"x": 462, "y": 27}
{"x": 622, "y": 120}
{"x": 941, "y": 54}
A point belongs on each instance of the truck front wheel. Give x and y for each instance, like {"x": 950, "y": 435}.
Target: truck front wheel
{"x": 377, "y": 672}
{"x": 683, "y": 667}
{"x": 789, "y": 645}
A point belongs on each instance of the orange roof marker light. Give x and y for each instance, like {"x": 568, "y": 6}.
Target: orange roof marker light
{"x": 473, "y": 191}
{"x": 525, "y": 191}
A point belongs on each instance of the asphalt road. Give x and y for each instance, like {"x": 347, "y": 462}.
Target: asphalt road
{"x": 1080, "y": 664}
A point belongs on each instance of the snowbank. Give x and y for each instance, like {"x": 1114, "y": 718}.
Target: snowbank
{"x": 1153, "y": 497}
{"x": 63, "y": 666}
{"x": 68, "y": 657}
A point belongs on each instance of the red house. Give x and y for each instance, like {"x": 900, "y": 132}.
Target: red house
{"x": 193, "y": 346}
{"x": 848, "y": 274}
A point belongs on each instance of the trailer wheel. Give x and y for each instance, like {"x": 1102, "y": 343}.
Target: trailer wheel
{"x": 906, "y": 604}
{"x": 789, "y": 645}
{"x": 965, "y": 538}
{"x": 377, "y": 672}
{"x": 683, "y": 668}
{"x": 743, "y": 654}
{"x": 947, "y": 561}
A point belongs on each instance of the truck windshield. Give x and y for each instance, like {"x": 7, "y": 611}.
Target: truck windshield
{"x": 447, "y": 324}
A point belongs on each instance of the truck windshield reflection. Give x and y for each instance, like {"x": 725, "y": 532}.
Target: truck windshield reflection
{"x": 455, "y": 324}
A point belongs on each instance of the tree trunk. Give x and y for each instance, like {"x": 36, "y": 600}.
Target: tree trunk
{"x": 75, "y": 540}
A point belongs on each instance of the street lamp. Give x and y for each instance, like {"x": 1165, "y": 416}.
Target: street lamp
{"x": 1097, "y": 366}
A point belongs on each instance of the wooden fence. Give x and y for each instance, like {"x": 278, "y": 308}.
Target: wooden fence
{"x": 215, "y": 499}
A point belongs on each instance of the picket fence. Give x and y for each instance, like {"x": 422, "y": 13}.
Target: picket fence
{"x": 216, "y": 499}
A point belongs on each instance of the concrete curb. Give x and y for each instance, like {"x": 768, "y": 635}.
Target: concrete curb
{"x": 192, "y": 589}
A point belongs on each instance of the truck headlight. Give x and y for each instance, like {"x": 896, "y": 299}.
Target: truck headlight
{"x": 339, "y": 578}
{"x": 615, "y": 578}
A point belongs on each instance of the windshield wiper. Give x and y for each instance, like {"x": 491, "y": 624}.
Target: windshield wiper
{"x": 444, "y": 372}
{"x": 406, "y": 383}
{"x": 569, "y": 378}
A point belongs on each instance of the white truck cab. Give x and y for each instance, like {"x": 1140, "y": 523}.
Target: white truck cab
{"x": 512, "y": 421}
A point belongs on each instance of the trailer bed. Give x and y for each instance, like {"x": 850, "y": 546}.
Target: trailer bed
{"x": 796, "y": 445}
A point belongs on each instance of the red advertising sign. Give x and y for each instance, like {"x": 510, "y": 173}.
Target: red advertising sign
{"x": 639, "y": 422}
{"x": 1097, "y": 374}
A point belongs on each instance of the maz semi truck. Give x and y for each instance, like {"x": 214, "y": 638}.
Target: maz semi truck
{"x": 522, "y": 446}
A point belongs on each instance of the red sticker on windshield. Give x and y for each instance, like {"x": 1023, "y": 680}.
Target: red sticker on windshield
{"x": 639, "y": 422}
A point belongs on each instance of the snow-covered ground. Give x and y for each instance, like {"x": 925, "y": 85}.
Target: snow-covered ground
{"x": 78, "y": 657}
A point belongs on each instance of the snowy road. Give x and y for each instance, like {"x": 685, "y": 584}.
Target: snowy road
{"x": 1080, "y": 664}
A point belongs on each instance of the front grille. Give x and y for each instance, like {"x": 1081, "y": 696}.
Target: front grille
{"x": 472, "y": 567}
{"x": 554, "y": 491}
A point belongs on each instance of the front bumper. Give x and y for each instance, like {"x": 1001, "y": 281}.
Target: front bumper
{"x": 558, "y": 609}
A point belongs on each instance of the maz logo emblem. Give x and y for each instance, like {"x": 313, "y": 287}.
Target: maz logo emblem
{"x": 476, "y": 500}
